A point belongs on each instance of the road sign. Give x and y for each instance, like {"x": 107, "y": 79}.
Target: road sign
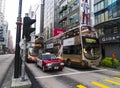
{"x": 22, "y": 44}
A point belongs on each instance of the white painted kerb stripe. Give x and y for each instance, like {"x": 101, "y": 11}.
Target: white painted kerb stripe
{"x": 78, "y": 72}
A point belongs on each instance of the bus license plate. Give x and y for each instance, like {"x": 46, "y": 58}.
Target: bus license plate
{"x": 56, "y": 67}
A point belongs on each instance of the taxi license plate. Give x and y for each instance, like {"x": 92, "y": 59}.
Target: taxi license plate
{"x": 56, "y": 67}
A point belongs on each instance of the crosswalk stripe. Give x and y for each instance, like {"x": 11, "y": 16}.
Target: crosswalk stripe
{"x": 100, "y": 85}
{"x": 80, "y": 86}
{"x": 118, "y": 78}
{"x": 113, "y": 82}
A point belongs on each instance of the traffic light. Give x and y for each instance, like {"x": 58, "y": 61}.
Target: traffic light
{"x": 27, "y": 30}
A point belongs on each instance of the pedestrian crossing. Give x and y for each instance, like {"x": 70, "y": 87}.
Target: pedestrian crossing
{"x": 114, "y": 81}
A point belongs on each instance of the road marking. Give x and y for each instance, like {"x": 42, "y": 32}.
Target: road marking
{"x": 77, "y": 72}
{"x": 70, "y": 69}
{"x": 100, "y": 85}
{"x": 80, "y": 86}
{"x": 118, "y": 78}
{"x": 113, "y": 82}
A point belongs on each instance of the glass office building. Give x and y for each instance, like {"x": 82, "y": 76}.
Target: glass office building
{"x": 107, "y": 20}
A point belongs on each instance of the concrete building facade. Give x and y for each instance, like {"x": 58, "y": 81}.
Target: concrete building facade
{"x": 107, "y": 20}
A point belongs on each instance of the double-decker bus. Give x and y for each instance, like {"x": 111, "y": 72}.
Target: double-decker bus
{"x": 78, "y": 47}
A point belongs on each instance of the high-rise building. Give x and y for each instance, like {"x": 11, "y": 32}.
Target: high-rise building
{"x": 3, "y": 27}
{"x": 2, "y": 11}
{"x": 107, "y": 20}
{"x": 49, "y": 18}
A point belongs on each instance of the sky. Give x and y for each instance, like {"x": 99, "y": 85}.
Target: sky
{"x": 11, "y": 14}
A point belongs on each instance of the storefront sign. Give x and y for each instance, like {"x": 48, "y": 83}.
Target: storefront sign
{"x": 49, "y": 46}
{"x": 114, "y": 38}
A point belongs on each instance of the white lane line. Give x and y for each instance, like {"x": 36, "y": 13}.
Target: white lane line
{"x": 77, "y": 72}
{"x": 70, "y": 69}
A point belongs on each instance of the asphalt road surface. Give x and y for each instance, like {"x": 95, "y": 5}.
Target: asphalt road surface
{"x": 76, "y": 77}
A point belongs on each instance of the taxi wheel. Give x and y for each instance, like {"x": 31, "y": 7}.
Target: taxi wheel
{"x": 37, "y": 64}
{"x": 43, "y": 68}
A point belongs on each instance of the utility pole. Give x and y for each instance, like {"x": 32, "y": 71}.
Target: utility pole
{"x": 17, "y": 65}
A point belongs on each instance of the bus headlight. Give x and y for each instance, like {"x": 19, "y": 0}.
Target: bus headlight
{"x": 61, "y": 63}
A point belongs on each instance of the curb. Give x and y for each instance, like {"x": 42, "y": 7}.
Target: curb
{"x": 18, "y": 83}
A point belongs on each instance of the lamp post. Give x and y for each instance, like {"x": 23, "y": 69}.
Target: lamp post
{"x": 17, "y": 66}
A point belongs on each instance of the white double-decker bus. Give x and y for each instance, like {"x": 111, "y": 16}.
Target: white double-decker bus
{"x": 78, "y": 47}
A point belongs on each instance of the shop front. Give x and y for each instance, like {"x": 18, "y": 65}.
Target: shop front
{"x": 110, "y": 44}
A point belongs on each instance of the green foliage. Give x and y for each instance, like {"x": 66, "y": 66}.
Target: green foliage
{"x": 107, "y": 61}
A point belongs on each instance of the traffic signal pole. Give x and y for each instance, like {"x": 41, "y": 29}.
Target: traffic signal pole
{"x": 17, "y": 65}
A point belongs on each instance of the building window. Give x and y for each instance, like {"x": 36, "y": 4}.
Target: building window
{"x": 102, "y": 5}
{"x": 74, "y": 18}
{"x": 106, "y": 16}
{"x": 102, "y": 17}
{"x": 99, "y": 7}
{"x": 118, "y": 10}
{"x": 95, "y": 8}
{"x": 114, "y": 12}
{"x": 110, "y": 14}
{"x": 96, "y": 19}
{"x": 99, "y": 18}
{"x": 109, "y": 2}
{"x": 106, "y": 3}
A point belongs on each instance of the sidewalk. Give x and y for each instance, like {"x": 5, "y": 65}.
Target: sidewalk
{"x": 114, "y": 69}
{"x": 18, "y": 83}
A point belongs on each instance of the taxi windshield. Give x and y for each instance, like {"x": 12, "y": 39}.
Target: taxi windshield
{"x": 48, "y": 57}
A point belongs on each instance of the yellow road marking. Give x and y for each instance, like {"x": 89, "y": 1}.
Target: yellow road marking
{"x": 113, "y": 82}
{"x": 80, "y": 86}
{"x": 118, "y": 78}
{"x": 100, "y": 85}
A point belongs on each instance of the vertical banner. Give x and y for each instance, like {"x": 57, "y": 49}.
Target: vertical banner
{"x": 85, "y": 12}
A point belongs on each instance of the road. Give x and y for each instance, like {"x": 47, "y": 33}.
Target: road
{"x": 6, "y": 70}
{"x": 76, "y": 77}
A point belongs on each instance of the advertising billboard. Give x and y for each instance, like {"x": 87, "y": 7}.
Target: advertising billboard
{"x": 58, "y": 31}
{"x": 85, "y": 12}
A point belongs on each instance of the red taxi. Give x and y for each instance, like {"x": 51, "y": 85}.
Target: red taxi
{"x": 48, "y": 61}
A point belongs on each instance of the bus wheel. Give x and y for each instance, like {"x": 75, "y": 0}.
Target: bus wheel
{"x": 84, "y": 63}
{"x": 68, "y": 63}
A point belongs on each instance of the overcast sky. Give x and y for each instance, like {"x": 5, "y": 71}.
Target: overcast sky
{"x": 11, "y": 13}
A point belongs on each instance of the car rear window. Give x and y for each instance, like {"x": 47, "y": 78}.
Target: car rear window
{"x": 48, "y": 56}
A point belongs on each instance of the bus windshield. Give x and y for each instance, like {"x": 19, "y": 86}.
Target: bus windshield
{"x": 33, "y": 52}
{"x": 91, "y": 48}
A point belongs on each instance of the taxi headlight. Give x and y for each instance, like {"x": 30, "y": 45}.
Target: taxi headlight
{"x": 61, "y": 63}
{"x": 48, "y": 64}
